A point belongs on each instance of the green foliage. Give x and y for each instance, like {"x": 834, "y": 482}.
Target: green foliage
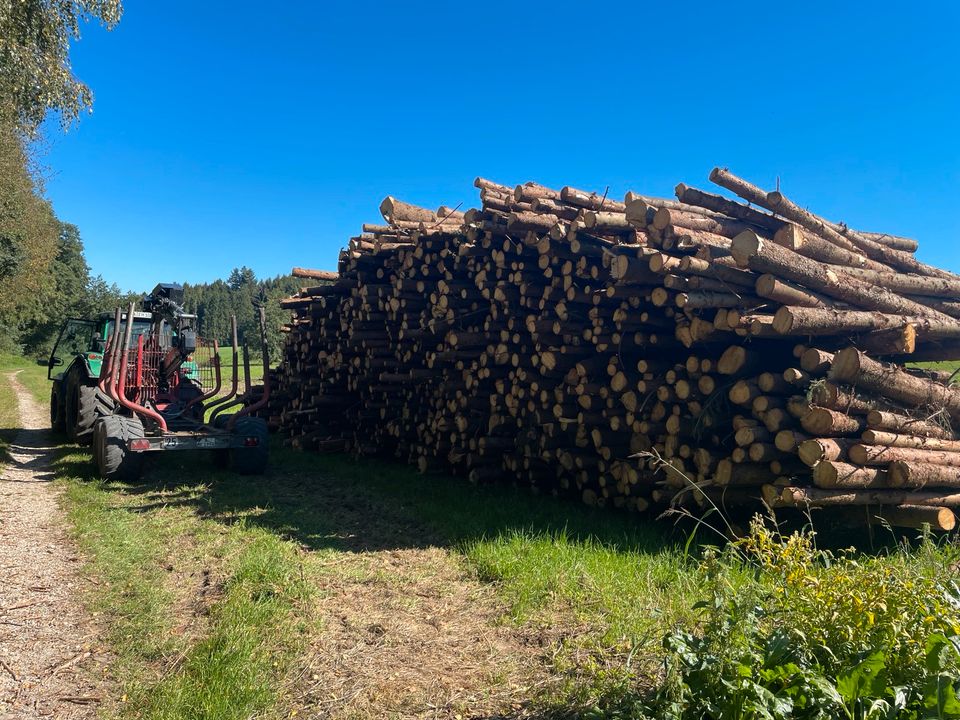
{"x": 35, "y": 73}
{"x": 240, "y": 295}
{"x": 29, "y": 240}
{"x": 816, "y": 635}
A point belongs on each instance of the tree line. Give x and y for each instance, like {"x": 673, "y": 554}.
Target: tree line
{"x": 241, "y": 294}
{"x": 44, "y": 276}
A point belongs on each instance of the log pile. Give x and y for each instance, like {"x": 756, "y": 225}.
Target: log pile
{"x": 645, "y": 353}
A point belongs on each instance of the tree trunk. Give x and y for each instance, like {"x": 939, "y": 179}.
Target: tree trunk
{"x": 762, "y": 256}
{"x": 854, "y": 367}
{"x": 836, "y": 475}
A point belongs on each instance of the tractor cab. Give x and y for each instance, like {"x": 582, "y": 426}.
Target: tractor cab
{"x": 82, "y": 342}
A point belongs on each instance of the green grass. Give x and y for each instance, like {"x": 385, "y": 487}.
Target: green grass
{"x": 950, "y": 366}
{"x": 210, "y": 583}
{"x": 153, "y": 553}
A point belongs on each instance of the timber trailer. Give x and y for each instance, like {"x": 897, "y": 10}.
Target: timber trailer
{"x": 158, "y": 388}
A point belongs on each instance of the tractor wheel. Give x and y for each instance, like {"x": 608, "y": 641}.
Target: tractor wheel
{"x": 83, "y": 403}
{"x": 114, "y": 460}
{"x": 57, "y": 409}
{"x": 221, "y": 458}
{"x": 250, "y": 460}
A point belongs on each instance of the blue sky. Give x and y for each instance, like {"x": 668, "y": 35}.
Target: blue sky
{"x": 264, "y": 134}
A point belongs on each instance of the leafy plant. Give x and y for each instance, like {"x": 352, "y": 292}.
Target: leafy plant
{"x": 814, "y": 635}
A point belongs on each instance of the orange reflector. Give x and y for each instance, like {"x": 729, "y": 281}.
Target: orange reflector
{"x": 251, "y": 442}
{"x": 139, "y": 444}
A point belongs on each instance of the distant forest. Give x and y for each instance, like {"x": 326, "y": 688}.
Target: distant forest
{"x": 239, "y": 294}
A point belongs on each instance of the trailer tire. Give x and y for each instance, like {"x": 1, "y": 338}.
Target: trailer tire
{"x": 57, "y": 410}
{"x": 83, "y": 403}
{"x": 114, "y": 461}
{"x": 250, "y": 460}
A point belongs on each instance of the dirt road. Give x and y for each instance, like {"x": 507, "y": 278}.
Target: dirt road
{"x": 48, "y": 648}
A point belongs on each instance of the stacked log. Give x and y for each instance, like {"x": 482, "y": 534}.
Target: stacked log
{"x": 646, "y": 353}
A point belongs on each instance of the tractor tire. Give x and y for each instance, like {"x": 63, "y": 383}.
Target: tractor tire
{"x": 250, "y": 460}
{"x": 57, "y": 410}
{"x": 83, "y": 403}
{"x": 114, "y": 460}
{"x": 221, "y": 458}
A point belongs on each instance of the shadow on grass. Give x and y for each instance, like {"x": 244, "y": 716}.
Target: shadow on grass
{"x": 338, "y": 503}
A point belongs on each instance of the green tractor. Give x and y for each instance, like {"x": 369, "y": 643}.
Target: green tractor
{"x": 139, "y": 382}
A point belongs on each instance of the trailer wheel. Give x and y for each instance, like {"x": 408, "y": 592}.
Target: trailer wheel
{"x": 57, "y": 410}
{"x": 114, "y": 460}
{"x": 83, "y": 404}
{"x": 250, "y": 460}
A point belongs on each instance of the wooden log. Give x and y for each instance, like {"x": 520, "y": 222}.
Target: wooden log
{"x": 763, "y": 256}
{"x": 879, "y": 420}
{"x": 830, "y": 321}
{"x": 773, "y": 288}
{"x": 817, "y": 450}
{"x": 836, "y": 475}
{"x": 314, "y": 274}
{"x": 720, "y": 204}
{"x": 913, "y": 474}
{"x": 940, "y": 519}
{"x": 863, "y": 454}
{"x": 910, "y": 284}
{"x": 394, "y": 210}
{"x": 822, "y": 422}
{"x": 818, "y": 497}
{"x": 881, "y": 437}
{"x": 854, "y": 367}
{"x": 781, "y": 205}
{"x": 800, "y": 241}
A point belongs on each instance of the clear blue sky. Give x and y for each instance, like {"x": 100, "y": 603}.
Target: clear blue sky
{"x": 264, "y": 134}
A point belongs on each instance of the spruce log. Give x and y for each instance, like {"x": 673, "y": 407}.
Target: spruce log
{"x": 817, "y": 450}
{"x": 891, "y": 421}
{"x": 881, "y": 437}
{"x": 829, "y": 321}
{"x": 314, "y": 274}
{"x": 883, "y": 454}
{"x": 912, "y": 474}
{"x": 917, "y": 516}
{"x": 823, "y": 422}
{"x": 763, "y": 256}
{"x": 818, "y": 497}
{"x": 773, "y": 288}
{"x": 854, "y": 367}
{"x": 720, "y": 204}
{"x": 394, "y": 211}
{"x": 910, "y": 284}
{"x": 851, "y": 240}
{"x": 835, "y": 475}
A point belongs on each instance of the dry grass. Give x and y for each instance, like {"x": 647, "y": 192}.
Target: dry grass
{"x": 409, "y": 633}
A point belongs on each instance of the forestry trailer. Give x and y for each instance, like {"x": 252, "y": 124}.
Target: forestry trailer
{"x": 140, "y": 382}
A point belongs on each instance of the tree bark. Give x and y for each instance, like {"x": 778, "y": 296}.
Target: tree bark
{"x": 879, "y": 420}
{"x": 750, "y": 250}
{"x": 854, "y": 367}
{"x": 883, "y": 455}
{"x": 817, "y": 450}
{"x": 914, "y": 474}
{"x": 836, "y": 475}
